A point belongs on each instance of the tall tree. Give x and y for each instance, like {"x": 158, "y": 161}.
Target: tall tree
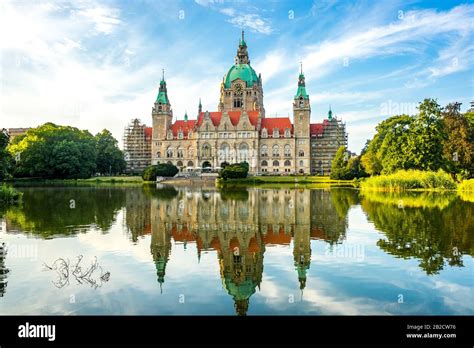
{"x": 425, "y": 143}
{"x": 52, "y": 151}
{"x": 110, "y": 159}
{"x": 5, "y": 158}
{"x": 339, "y": 164}
{"x": 458, "y": 145}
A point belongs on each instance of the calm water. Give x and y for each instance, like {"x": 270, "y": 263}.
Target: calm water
{"x": 134, "y": 250}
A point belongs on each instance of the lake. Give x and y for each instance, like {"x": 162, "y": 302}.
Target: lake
{"x": 121, "y": 249}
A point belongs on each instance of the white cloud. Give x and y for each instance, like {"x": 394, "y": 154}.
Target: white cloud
{"x": 105, "y": 19}
{"x": 252, "y": 21}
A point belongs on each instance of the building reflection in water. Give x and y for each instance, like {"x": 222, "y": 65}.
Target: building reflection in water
{"x": 238, "y": 224}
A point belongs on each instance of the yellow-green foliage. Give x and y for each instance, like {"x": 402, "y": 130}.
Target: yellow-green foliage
{"x": 410, "y": 180}
{"x": 466, "y": 190}
{"x": 466, "y": 185}
{"x": 411, "y": 199}
{"x": 9, "y": 195}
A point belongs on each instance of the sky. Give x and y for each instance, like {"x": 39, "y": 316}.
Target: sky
{"x": 97, "y": 64}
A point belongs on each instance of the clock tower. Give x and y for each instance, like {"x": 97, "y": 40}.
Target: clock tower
{"x": 241, "y": 88}
{"x": 301, "y": 121}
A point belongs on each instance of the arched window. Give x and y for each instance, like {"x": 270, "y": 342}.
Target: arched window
{"x": 243, "y": 151}
{"x": 301, "y": 153}
{"x": 264, "y": 163}
{"x": 264, "y": 151}
{"x": 170, "y": 134}
{"x": 190, "y": 134}
{"x": 276, "y": 133}
{"x": 180, "y": 134}
{"x": 158, "y": 154}
{"x": 224, "y": 152}
{"x": 190, "y": 163}
{"x": 276, "y": 150}
{"x": 287, "y": 150}
{"x": 169, "y": 152}
{"x": 287, "y": 163}
{"x": 287, "y": 133}
{"x": 264, "y": 133}
{"x": 179, "y": 164}
{"x": 180, "y": 152}
{"x": 206, "y": 150}
{"x": 301, "y": 164}
{"x": 190, "y": 152}
{"x": 276, "y": 163}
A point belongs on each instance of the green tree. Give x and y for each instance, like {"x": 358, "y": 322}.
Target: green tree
{"x": 425, "y": 142}
{"x": 52, "y": 151}
{"x": 110, "y": 159}
{"x": 339, "y": 164}
{"x": 5, "y": 157}
{"x": 234, "y": 171}
{"x": 458, "y": 145}
{"x": 161, "y": 169}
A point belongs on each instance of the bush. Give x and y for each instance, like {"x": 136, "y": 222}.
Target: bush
{"x": 161, "y": 169}
{"x": 235, "y": 171}
{"x": 410, "y": 180}
{"x": 466, "y": 185}
{"x": 8, "y": 195}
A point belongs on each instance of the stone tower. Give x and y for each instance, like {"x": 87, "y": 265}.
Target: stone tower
{"x": 301, "y": 121}
{"x": 162, "y": 117}
{"x": 241, "y": 88}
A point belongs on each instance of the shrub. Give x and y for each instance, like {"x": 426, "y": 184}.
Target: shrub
{"x": 8, "y": 195}
{"x": 161, "y": 169}
{"x": 410, "y": 180}
{"x": 466, "y": 185}
{"x": 234, "y": 171}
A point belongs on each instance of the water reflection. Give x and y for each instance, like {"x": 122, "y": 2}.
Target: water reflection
{"x": 241, "y": 224}
{"x": 431, "y": 227}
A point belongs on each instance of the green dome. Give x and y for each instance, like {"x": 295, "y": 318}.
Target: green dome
{"x": 241, "y": 71}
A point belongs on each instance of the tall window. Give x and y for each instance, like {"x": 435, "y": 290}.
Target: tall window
{"x": 225, "y": 152}
{"x": 169, "y": 152}
{"x": 264, "y": 151}
{"x": 276, "y": 151}
{"x": 180, "y": 152}
{"x": 237, "y": 102}
{"x": 287, "y": 150}
{"x": 243, "y": 151}
{"x": 206, "y": 150}
{"x": 264, "y": 133}
{"x": 276, "y": 133}
{"x": 301, "y": 153}
{"x": 287, "y": 133}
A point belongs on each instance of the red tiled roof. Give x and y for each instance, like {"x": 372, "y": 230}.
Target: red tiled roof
{"x": 148, "y": 132}
{"x": 316, "y": 128}
{"x": 277, "y": 237}
{"x": 234, "y": 117}
{"x": 276, "y": 122}
{"x": 185, "y": 126}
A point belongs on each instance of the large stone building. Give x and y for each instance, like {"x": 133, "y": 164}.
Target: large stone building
{"x": 240, "y": 131}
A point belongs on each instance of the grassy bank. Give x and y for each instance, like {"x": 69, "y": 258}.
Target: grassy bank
{"x": 8, "y": 195}
{"x": 93, "y": 180}
{"x": 276, "y": 181}
{"x": 405, "y": 180}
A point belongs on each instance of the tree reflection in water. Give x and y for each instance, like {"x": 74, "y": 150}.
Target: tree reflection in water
{"x": 434, "y": 228}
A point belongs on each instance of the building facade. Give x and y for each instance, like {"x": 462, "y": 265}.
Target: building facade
{"x": 239, "y": 130}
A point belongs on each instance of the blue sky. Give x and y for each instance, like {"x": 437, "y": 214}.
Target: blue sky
{"x": 97, "y": 64}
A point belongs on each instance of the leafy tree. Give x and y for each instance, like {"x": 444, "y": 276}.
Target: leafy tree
{"x": 458, "y": 145}
{"x": 234, "y": 171}
{"x": 339, "y": 164}
{"x": 161, "y": 169}
{"x": 354, "y": 168}
{"x": 52, "y": 151}
{"x": 425, "y": 142}
{"x": 5, "y": 157}
{"x": 110, "y": 159}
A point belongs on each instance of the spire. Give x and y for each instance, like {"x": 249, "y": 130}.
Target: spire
{"x": 330, "y": 113}
{"x": 162, "y": 92}
{"x": 242, "y": 54}
{"x": 186, "y": 115}
{"x": 301, "y": 92}
{"x": 200, "y": 106}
